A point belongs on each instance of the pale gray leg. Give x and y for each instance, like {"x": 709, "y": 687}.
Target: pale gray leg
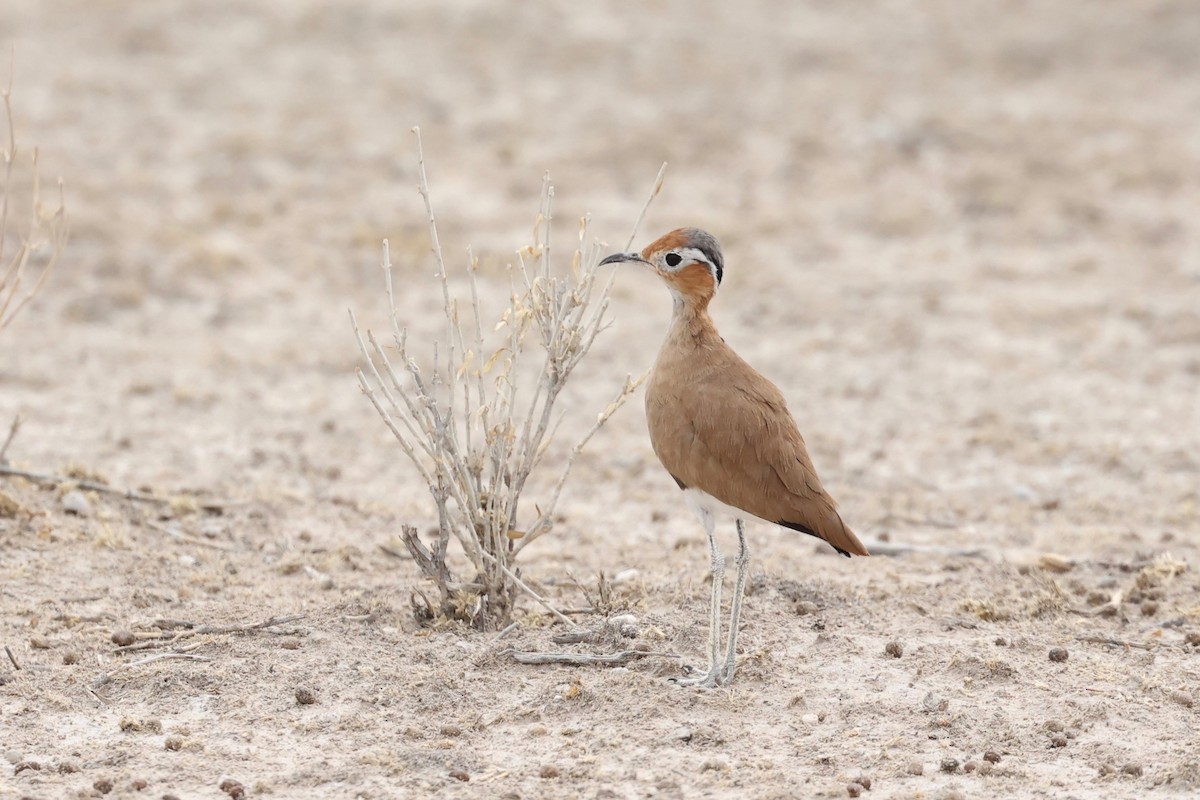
{"x": 735, "y": 606}
{"x": 714, "y": 634}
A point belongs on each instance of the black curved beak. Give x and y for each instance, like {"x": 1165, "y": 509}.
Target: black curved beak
{"x": 617, "y": 258}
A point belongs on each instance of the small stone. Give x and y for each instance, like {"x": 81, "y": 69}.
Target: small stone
{"x": 805, "y": 607}
{"x": 70, "y": 657}
{"x": 451, "y": 730}
{"x": 1183, "y": 698}
{"x": 1192, "y": 638}
{"x": 76, "y": 502}
{"x": 894, "y": 649}
{"x": 1058, "y": 654}
{"x": 38, "y": 643}
{"x": 305, "y": 696}
{"x": 289, "y": 643}
{"x": 1149, "y": 609}
{"x": 1134, "y": 770}
{"x": 863, "y": 781}
{"x": 123, "y": 638}
{"x": 992, "y": 757}
{"x": 459, "y": 775}
{"x": 949, "y": 765}
{"x": 854, "y": 789}
{"x": 103, "y": 786}
{"x": 549, "y": 771}
{"x": 1001, "y": 642}
{"x": 915, "y": 768}
{"x": 139, "y": 784}
{"x": 233, "y": 788}
{"x": 1054, "y": 725}
{"x": 970, "y": 766}
{"x": 1058, "y": 740}
{"x": 173, "y": 742}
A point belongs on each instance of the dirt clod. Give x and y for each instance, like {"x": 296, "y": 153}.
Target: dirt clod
{"x": 1058, "y": 654}
{"x": 21, "y": 766}
{"x": 915, "y": 768}
{"x": 854, "y": 789}
{"x": 992, "y": 757}
{"x": 173, "y": 742}
{"x": 459, "y": 775}
{"x": 123, "y": 638}
{"x": 548, "y": 771}
{"x": 949, "y": 765}
{"x": 1058, "y": 740}
{"x": 893, "y": 649}
{"x": 70, "y": 657}
{"x": 1133, "y": 770}
{"x": 305, "y": 696}
{"x": 103, "y": 786}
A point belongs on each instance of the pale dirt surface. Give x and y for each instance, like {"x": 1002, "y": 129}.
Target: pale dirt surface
{"x": 964, "y": 240}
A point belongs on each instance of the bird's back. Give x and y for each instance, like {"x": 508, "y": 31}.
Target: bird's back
{"x": 720, "y": 427}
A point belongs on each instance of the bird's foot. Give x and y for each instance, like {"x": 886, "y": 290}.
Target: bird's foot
{"x": 714, "y": 678}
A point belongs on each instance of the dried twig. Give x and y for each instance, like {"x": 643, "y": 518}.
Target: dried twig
{"x": 105, "y": 677}
{"x": 103, "y": 488}
{"x": 1116, "y": 642}
{"x": 12, "y": 432}
{"x": 187, "y": 538}
{"x": 585, "y": 659}
{"x": 878, "y": 547}
{"x": 8, "y": 651}
{"x": 165, "y": 638}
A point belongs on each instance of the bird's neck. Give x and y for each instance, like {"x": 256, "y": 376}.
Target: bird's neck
{"x": 690, "y": 322}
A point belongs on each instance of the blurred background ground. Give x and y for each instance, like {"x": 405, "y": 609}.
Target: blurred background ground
{"x": 962, "y": 238}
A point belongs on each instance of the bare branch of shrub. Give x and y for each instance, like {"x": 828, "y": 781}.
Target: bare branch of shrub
{"x": 480, "y": 421}
{"x": 39, "y": 242}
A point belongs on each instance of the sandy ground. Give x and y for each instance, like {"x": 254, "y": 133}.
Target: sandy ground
{"x": 964, "y": 240}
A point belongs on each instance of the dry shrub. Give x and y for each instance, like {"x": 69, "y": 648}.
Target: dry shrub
{"x": 480, "y": 421}
{"x": 28, "y": 249}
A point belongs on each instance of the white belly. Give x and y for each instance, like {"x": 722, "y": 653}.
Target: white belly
{"x": 702, "y": 502}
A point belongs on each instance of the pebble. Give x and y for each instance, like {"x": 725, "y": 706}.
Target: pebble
{"x": 173, "y": 743}
{"x": 915, "y": 768}
{"x": 459, "y": 775}
{"x": 1193, "y": 639}
{"x": 1055, "y": 726}
{"x": 76, "y": 502}
{"x": 805, "y": 607}
{"x": 1183, "y": 698}
{"x": 992, "y": 757}
{"x": 103, "y": 786}
{"x": 949, "y": 765}
{"x": 1058, "y": 740}
{"x": 549, "y": 771}
{"x": 1059, "y": 654}
{"x": 233, "y": 788}
{"x": 970, "y": 766}
{"x": 863, "y": 781}
{"x": 305, "y": 696}
{"x": 894, "y": 649}
{"x": 854, "y": 789}
{"x": 123, "y": 638}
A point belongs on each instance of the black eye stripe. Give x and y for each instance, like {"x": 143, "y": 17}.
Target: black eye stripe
{"x": 673, "y": 259}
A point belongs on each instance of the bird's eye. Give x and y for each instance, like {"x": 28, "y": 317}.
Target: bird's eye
{"x": 673, "y": 259}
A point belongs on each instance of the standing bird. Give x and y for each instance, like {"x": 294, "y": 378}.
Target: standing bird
{"x": 723, "y": 431}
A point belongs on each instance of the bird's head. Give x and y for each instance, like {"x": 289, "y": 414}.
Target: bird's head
{"x": 688, "y": 259}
